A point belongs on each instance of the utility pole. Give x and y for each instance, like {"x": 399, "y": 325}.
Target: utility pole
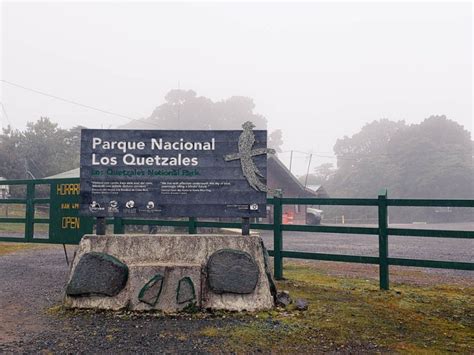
{"x": 179, "y": 107}
{"x": 28, "y": 173}
{"x": 26, "y": 169}
{"x": 291, "y": 159}
{"x": 307, "y": 171}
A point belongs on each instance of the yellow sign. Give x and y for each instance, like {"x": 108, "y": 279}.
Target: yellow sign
{"x": 70, "y": 223}
{"x": 67, "y": 189}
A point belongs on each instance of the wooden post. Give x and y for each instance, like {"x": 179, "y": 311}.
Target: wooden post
{"x": 101, "y": 226}
{"x": 383, "y": 241}
{"x": 245, "y": 226}
{"x": 118, "y": 226}
{"x": 192, "y": 225}
{"x": 30, "y": 211}
{"x": 277, "y": 238}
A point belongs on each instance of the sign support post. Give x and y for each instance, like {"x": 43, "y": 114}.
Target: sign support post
{"x": 245, "y": 226}
{"x": 100, "y": 226}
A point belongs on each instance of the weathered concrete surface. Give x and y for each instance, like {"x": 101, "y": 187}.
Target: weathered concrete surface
{"x": 140, "y": 274}
{"x": 186, "y": 291}
{"x": 151, "y": 292}
{"x": 177, "y": 256}
{"x": 269, "y": 271}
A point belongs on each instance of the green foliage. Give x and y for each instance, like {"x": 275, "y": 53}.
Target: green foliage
{"x": 10, "y": 154}
{"x": 436, "y": 155}
{"x": 42, "y": 149}
{"x": 321, "y": 175}
{"x": 363, "y": 160}
{"x": 191, "y": 308}
{"x": 432, "y": 159}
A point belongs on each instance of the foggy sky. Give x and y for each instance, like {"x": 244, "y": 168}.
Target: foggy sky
{"x": 318, "y": 71}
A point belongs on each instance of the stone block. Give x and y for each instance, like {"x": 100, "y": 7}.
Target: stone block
{"x": 181, "y": 260}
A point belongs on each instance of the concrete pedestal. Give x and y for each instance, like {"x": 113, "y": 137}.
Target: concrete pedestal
{"x": 170, "y": 272}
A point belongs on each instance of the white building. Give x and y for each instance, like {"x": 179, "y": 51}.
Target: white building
{"x": 4, "y": 189}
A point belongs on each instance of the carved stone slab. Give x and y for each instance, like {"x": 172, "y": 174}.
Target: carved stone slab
{"x": 240, "y": 279}
{"x": 98, "y": 274}
{"x": 232, "y": 271}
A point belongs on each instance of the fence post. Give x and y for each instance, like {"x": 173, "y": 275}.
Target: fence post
{"x": 118, "y": 226}
{"x": 30, "y": 211}
{"x": 383, "y": 241}
{"x": 192, "y": 229}
{"x": 277, "y": 238}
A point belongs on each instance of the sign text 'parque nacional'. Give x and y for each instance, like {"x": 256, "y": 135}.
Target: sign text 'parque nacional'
{"x": 171, "y": 173}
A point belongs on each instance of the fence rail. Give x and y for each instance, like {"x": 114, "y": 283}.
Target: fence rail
{"x": 382, "y": 231}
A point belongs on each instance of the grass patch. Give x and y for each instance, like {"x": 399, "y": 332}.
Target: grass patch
{"x": 209, "y": 332}
{"x": 18, "y": 211}
{"x": 12, "y": 210}
{"x": 8, "y": 247}
{"x": 17, "y": 228}
{"x": 55, "y": 310}
{"x": 350, "y": 314}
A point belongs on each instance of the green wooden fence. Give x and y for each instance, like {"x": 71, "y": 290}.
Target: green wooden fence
{"x": 66, "y": 227}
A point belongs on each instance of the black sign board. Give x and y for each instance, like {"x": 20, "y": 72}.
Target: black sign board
{"x": 165, "y": 173}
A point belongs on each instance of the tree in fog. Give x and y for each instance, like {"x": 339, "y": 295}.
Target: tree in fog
{"x": 364, "y": 164}
{"x": 10, "y": 156}
{"x": 275, "y": 140}
{"x": 432, "y": 159}
{"x": 41, "y": 150}
{"x": 321, "y": 175}
{"x": 183, "y": 109}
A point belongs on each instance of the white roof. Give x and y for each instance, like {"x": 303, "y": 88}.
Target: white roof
{"x": 74, "y": 173}
{"x": 313, "y": 187}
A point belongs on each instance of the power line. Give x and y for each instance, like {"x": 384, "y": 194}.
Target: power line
{"x": 67, "y": 100}
{"x": 309, "y": 153}
{"x": 5, "y": 114}
{"x": 355, "y": 156}
{"x": 139, "y": 121}
{"x": 37, "y": 167}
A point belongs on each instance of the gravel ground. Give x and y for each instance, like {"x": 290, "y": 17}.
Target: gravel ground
{"x": 33, "y": 285}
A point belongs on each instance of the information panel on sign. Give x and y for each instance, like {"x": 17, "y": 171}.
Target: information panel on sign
{"x": 167, "y": 173}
